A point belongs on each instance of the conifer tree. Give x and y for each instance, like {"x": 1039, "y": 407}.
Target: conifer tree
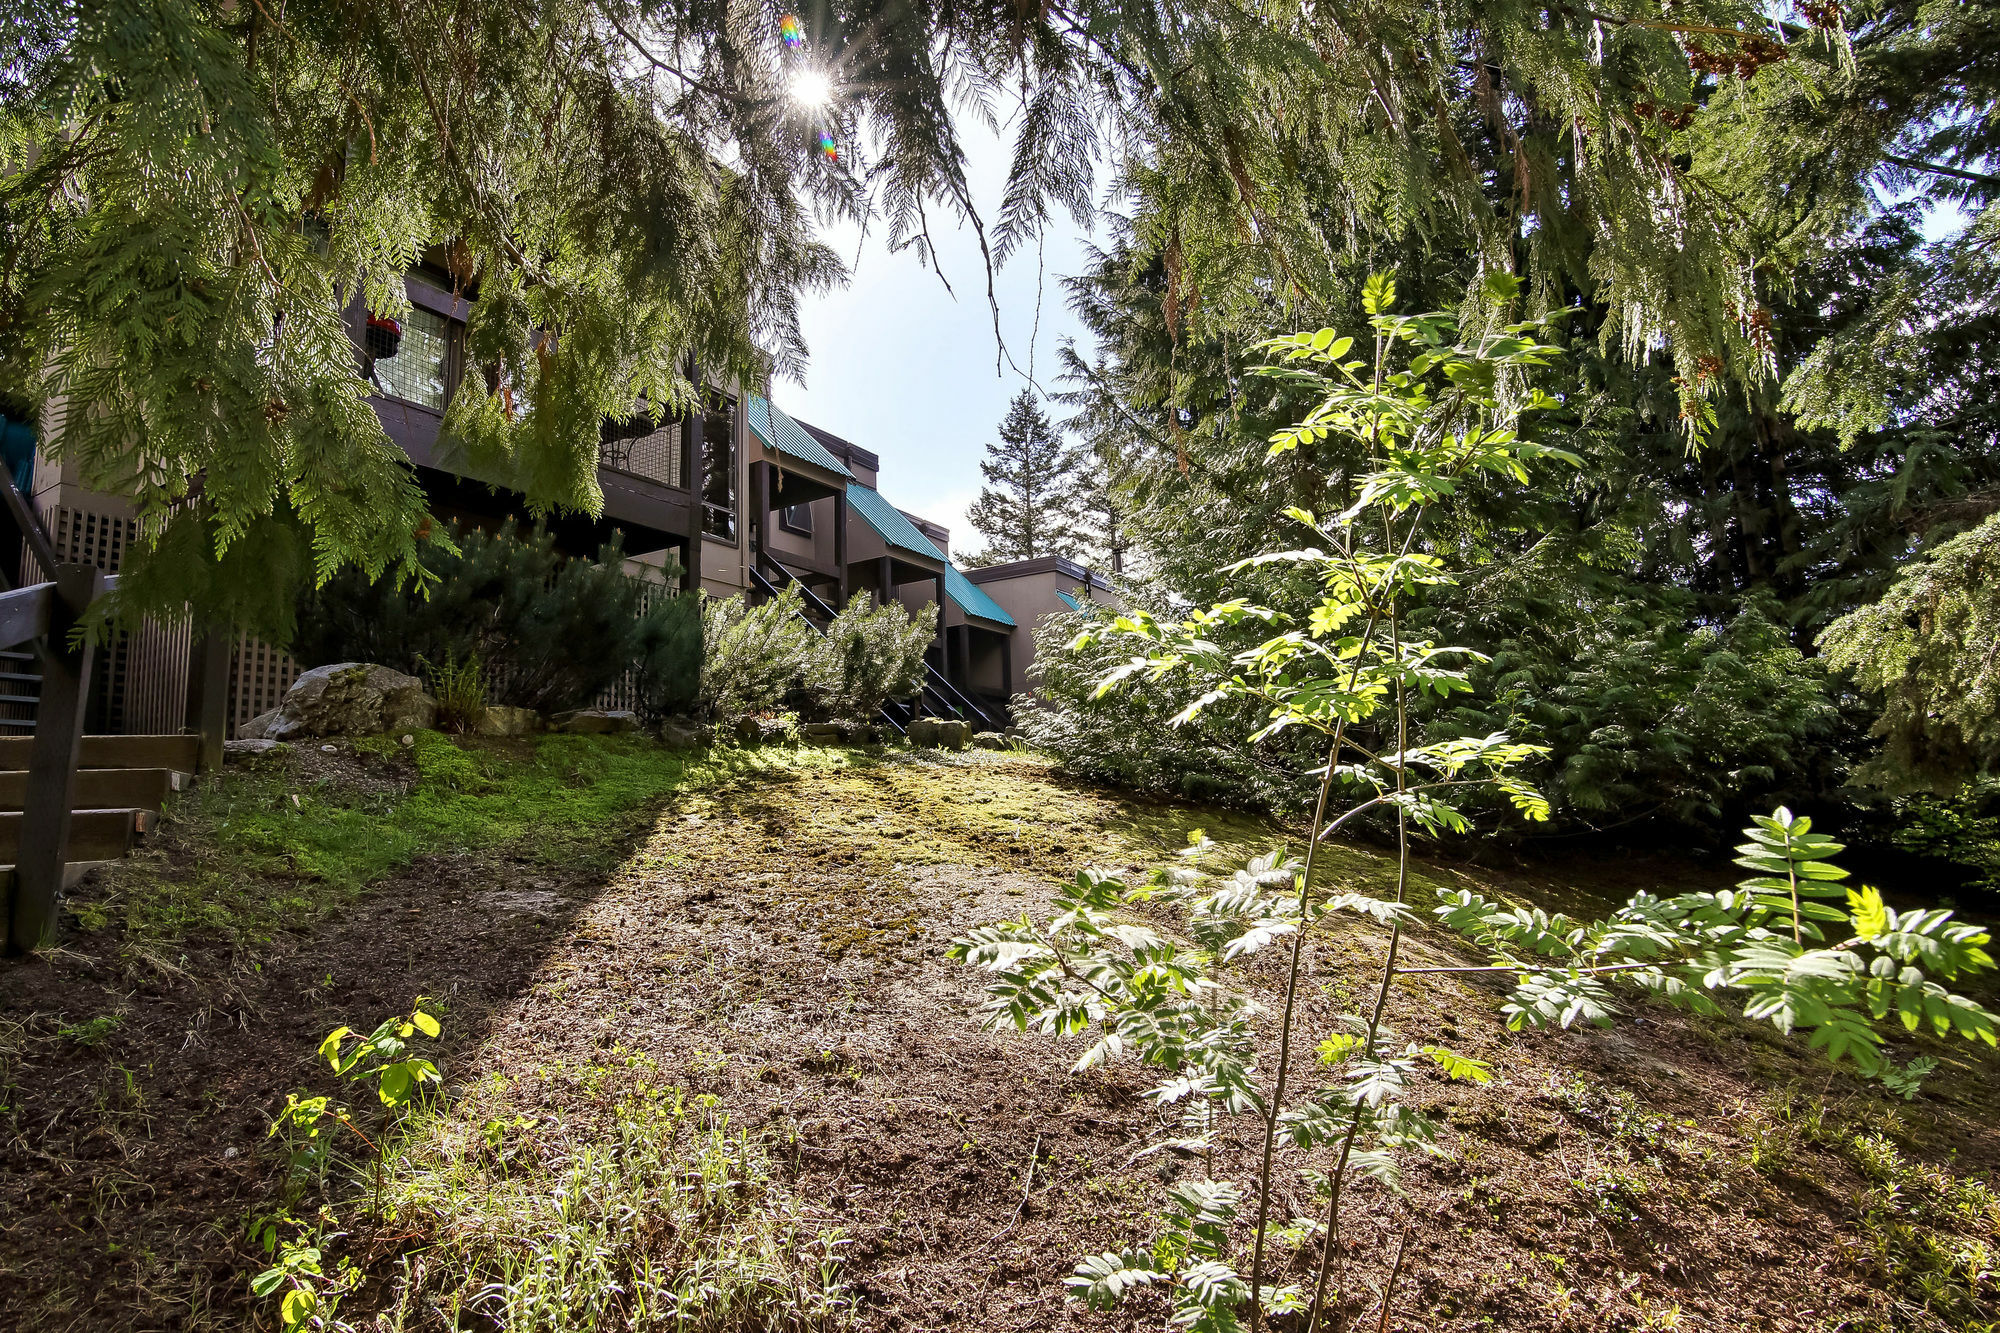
{"x": 1029, "y": 507}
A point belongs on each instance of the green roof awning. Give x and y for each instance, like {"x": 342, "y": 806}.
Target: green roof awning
{"x": 972, "y": 599}
{"x": 769, "y": 423}
{"x": 1069, "y": 601}
{"x": 888, "y": 521}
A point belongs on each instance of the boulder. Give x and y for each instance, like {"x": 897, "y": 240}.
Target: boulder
{"x": 679, "y": 735}
{"x": 251, "y": 749}
{"x": 823, "y": 733}
{"x": 922, "y": 731}
{"x": 595, "y": 721}
{"x": 347, "y": 699}
{"x": 762, "y": 730}
{"x": 992, "y": 740}
{"x": 254, "y": 729}
{"x": 500, "y": 720}
{"x": 953, "y": 734}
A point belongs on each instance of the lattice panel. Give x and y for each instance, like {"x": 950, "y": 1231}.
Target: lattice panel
{"x": 258, "y": 679}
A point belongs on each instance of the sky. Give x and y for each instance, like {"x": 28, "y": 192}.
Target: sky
{"x": 905, "y": 369}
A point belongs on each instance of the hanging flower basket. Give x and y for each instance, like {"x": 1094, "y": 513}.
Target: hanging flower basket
{"x": 384, "y": 337}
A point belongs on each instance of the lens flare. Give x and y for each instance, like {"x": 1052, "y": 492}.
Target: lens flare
{"x": 792, "y": 33}
{"x": 810, "y": 88}
{"x": 826, "y": 147}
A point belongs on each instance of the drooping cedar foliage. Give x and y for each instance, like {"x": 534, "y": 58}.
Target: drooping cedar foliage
{"x": 194, "y": 191}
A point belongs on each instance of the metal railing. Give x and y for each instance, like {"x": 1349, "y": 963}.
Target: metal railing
{"x": 937, "y": 689}
{"x": 770, "y": 589}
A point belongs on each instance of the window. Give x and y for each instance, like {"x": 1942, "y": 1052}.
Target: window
{"x": 718, "y": 469}
{"x": 796, "y": 518}
{"x": 416, "y": 374}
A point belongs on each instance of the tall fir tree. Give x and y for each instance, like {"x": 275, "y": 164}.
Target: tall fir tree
{"x": 1030, "y": 504}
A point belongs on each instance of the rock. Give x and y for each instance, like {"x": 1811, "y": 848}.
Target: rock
{"x": 500, "y": 720}
{"x": 763, "y": 730}
{"x": 349, "y": 699}
{"x": 254, "y": 729}
{"x": 595, "y": 721}
{"x": 922, "y": 731}
{"x": 858, "y": 733}
{"x": 953, "y": 734}
{"x": 678, "y": 735}
{"x": 254, "y": 748}
{"x": 822, "y": 733}
{"x": 992, "y": 740}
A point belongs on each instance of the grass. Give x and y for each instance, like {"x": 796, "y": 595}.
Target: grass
{"x": 655, "y": 1214}
{"x": 258, "y": 853}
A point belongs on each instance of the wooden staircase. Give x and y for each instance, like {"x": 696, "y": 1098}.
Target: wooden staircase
{"x": 121, "y": 783}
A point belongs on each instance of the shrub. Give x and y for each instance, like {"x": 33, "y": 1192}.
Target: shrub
{"x": 870, "y": 654}
{"x": 668, "y": 678}
{"x": 1927, "y": 649}
{"x": 553, "y": 632}
{"x": 459, "y": 688}
{"x": 1127, "y": 739}
{"x": 753, "y": 654}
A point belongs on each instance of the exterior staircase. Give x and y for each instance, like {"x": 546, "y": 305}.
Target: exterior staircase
{"x": 121, "y": 783}
{"x": 20, "y": 692}
{"x": 936, "y": 695}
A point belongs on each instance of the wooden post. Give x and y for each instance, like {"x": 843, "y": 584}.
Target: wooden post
{"x": 697, "y": 477}
{"x": 1007, "y": 666}
{"x": 840, "y": 548}
{"x": 208, "y": 695}
{"x": 44, "y": 847}
{"x": 760, "y": 513}
{"x": 885, "y": 586}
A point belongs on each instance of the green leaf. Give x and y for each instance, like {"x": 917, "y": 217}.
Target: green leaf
{"x": 297, "y": 1308}
{"x": 1378, "y": 293}
{"x": 1460, "y": 1068}
{"x": 329, "y": 1049}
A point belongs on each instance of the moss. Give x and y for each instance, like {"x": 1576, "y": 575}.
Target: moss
{"x": 255, "y": 853}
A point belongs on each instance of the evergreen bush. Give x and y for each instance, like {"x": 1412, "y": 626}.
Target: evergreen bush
{"x": 1126, "y": 739}
{"x": 553, "y": 632}
{"x": 755, "y": 655}
{"x": 870, "y": 654}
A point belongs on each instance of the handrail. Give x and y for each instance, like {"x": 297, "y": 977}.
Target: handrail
{"x": 25, "y": 613}
{"x": 24, "y": 517}
{"x": 758, "y": 576}
{"x": 937, "y": 683}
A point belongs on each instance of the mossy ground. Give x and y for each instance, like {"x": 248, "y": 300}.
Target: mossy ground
{"x": 760, "y": 935}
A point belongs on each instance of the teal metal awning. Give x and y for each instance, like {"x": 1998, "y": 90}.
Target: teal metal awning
{"x": 1069, "y": 601}
{"x": 769, "y": 423}
{"x": 972, "y": 599}
{"x": 889, "y": 523}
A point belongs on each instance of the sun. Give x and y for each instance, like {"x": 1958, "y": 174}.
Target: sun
{"x": 811, "y": 88}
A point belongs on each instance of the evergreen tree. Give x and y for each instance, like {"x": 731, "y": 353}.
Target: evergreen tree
{"x": 1103, "y": 528}
{"x": 1030, "y": 505}
{"x": 191, "y": 194}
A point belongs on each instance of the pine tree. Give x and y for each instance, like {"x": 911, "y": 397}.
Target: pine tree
{"x": 1029, "y": 507}
{"x": 1102, "y": 521}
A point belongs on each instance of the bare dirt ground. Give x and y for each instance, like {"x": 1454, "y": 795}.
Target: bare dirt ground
{"x": 779, "y": 944}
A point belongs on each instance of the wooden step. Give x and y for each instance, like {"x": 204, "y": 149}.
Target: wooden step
{"x": 94, "y": 835}
{"x": 103, "y": 788}
{"x": 73, "y": 873}
{"x": 177, "y": 754}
